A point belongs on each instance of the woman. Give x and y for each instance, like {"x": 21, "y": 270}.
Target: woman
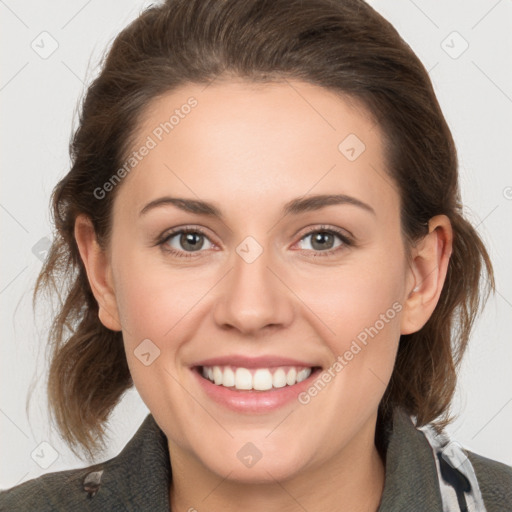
{"x": 262, "y": 232}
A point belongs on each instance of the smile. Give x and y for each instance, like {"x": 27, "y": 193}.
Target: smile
{"x": 258, "y": 379}
{"x": 254, "y": 385}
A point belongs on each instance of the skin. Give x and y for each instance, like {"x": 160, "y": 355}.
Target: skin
{"x": 250, "y": 149}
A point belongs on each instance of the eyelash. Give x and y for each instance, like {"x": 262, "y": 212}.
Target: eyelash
{"x": 346, "y": 241}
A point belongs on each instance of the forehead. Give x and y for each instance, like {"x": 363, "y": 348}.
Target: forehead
{"x": 237, "y": 142}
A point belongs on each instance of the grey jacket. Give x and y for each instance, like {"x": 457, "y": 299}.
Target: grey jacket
{"x": 137, "y": 480}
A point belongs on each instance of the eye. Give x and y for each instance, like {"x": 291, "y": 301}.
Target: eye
{"x": 326, "y": 241}
{"x": 183, "y": 242}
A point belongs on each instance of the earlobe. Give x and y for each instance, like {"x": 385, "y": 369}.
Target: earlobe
{"x": 429, "y": 266}
{"x": 98, "y": 270}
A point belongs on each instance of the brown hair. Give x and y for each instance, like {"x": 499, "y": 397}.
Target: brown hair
{"x": 342, "y": 45}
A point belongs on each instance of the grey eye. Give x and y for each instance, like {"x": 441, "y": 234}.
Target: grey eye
{"x": 191, "y": 241}
{"x": 322, "y": 240}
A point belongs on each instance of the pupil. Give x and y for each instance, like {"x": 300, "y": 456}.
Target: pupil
{"x": 322, "y": 237}
{"x": 191, "y": 240}
{"x": 187, "y": 239}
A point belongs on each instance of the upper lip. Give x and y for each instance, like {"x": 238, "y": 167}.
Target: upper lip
{"x": 241, "y": 361}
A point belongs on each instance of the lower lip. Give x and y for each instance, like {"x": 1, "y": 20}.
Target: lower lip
{"x": 254, "y": 401}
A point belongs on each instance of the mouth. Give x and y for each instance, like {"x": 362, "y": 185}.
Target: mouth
{"x": 254, "y": 385}
{"x": 256, "y": 379}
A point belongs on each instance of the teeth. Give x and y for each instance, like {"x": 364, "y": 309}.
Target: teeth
{"x": 261, "y": 379}
{"x": 303, "y": 374}
{"x": 243, "y": 378}
{"x": 228, "y": 379}
{"x": 291, "y": 377}
{"x": 217, "y": 375}
{"x": 279, "y": 378}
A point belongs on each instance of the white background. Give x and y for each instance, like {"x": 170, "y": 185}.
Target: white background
{"x": 39, "y": 97}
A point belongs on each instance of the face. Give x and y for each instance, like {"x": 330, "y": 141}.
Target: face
{"x": 261, "y": 312}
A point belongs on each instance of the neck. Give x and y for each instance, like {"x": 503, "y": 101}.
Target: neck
{"x": 351, "y": 480}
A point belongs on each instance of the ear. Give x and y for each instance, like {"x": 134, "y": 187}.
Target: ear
{"x": 98, "y": 268}
{"x": 430, "y": 258}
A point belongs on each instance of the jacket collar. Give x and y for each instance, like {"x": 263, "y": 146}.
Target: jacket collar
{"x": 411, "y": 477}
{"x": 141, "y": 473}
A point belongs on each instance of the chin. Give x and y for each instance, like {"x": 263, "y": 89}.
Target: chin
{"x": 258, "y": 462}
{"x": 269, "y": 469}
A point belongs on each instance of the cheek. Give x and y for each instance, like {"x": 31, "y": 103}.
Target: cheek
{"x": 156, "y": 308}
{"x": 152, "y": 299}
{"x": 363, "y": 313}
{"x": 358, "y": 311}
{"x": 352, "y": 298}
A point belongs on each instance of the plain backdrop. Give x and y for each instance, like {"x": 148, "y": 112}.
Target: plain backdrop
{"x": 50, "y": 51}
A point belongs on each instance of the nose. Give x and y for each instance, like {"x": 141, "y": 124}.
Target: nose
{"x": 254, "y": 298}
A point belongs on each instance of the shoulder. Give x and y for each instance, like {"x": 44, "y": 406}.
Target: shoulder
{"x": 136, "y": 479}
{"x": 495, "y": 481}
{"x": 425, "y": 466}
{"x": 61, "y": 490}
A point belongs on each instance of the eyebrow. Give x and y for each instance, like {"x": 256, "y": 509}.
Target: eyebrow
{"x": 294, "y": 207}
